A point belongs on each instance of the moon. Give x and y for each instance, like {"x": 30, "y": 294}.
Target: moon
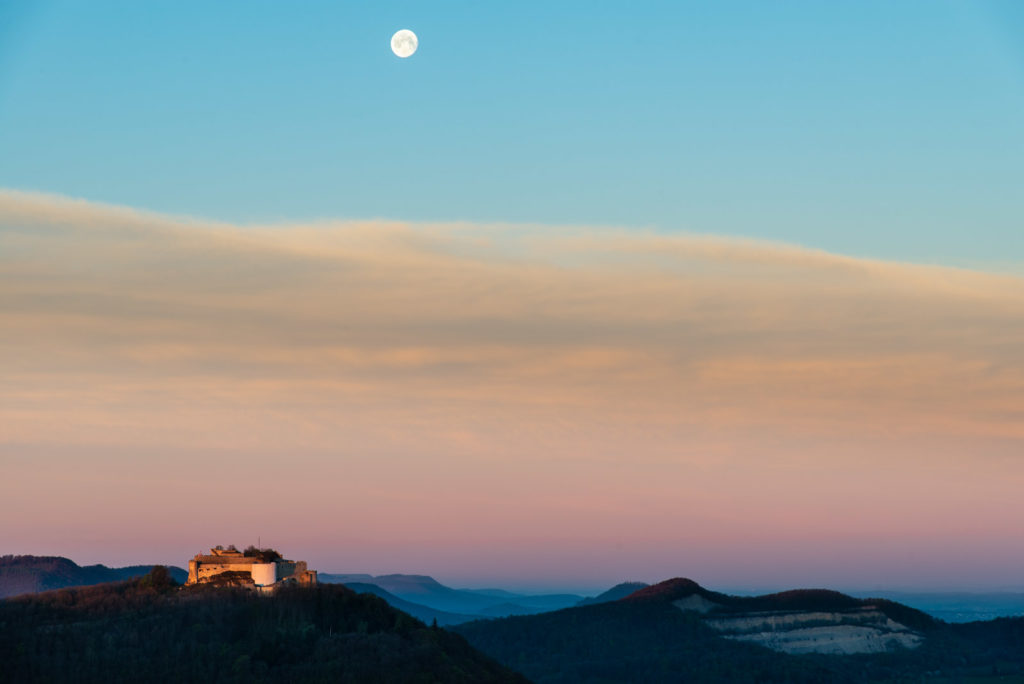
{"x": 404, "y": 43}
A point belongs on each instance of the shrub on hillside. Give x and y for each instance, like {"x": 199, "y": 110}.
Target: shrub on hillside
{"x": 265, "y": 555}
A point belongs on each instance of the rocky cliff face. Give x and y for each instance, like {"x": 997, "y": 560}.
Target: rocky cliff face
{"x": 862, "y": 630}
{"x": 799, "y": 621}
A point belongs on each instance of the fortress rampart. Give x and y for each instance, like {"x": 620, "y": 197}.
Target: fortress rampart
{"x": 222, "y": 564}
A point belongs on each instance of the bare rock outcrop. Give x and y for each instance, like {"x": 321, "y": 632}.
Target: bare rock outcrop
{"x": 862, "y": 630}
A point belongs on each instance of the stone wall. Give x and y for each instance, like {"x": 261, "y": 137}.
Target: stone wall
{"x": 205, "y": 567}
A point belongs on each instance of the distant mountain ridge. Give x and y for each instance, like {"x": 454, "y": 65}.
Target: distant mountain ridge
{"x": 32, "y": 574}
{"x": 615, "y": 593}
{"x": 420, "y": 612}
{"x": 426, "y": 593}
{"x": 959, "y": 606}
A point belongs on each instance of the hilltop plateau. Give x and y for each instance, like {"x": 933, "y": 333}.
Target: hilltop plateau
{"x": 150, "y": 629}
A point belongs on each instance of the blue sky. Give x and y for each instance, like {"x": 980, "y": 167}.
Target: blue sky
{"x": 878, "y": 129}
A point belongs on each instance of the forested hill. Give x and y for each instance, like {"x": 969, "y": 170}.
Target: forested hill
{"x": 152, "y": 630}
{"x": 673, "y": 632}
{"x": 615, "y": 593}
{"x": 30, "y": 574}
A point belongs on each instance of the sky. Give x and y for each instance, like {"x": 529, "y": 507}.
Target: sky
{"x": 579, "y": 293}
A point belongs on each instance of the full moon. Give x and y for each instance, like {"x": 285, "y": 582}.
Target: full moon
{"x": 404, "y": 43}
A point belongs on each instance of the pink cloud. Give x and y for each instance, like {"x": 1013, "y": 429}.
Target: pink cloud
{"x": 497, "y": 387}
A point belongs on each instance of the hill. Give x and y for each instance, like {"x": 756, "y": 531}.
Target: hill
{"x": 30, "y": 574}
{"x": 678, "y": 630}
{"x": 614, "y": 594}
{"x": 151, "y": 630}
{"x": 961, "y": 606}
{"x": 419, "y": 612}
{"x": 425, "y": 591}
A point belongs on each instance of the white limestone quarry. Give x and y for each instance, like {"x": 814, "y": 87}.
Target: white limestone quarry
{"x": 862, "y": 630}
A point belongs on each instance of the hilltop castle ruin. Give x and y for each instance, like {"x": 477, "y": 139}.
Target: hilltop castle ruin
{"x": 261, "y": 569}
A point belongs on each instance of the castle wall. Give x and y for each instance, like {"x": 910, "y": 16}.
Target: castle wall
{"x": 203, "y": 567}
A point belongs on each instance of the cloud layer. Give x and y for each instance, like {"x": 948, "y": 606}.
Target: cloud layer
{"x": 612, "y": 382}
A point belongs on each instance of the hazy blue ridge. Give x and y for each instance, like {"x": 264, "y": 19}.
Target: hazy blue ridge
{"x": 958, "y": 606}
{"x": 427, "y": 592}
{"x": 420, "y": 612}
{"x": 614, "y": 594}
{"x": 31, "y": 574}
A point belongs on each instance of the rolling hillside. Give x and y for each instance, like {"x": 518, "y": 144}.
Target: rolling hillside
{"x": 424, "y": 613}
{"x": 30, "y": 574}
{"x": 614, "y": 594}
{"x": 427, "y": 592}
{"x": 679, "y": 631}
{"x": 151, "y": 630}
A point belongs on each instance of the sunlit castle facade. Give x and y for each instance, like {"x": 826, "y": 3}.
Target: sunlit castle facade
{"x": 261, "y": 569}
